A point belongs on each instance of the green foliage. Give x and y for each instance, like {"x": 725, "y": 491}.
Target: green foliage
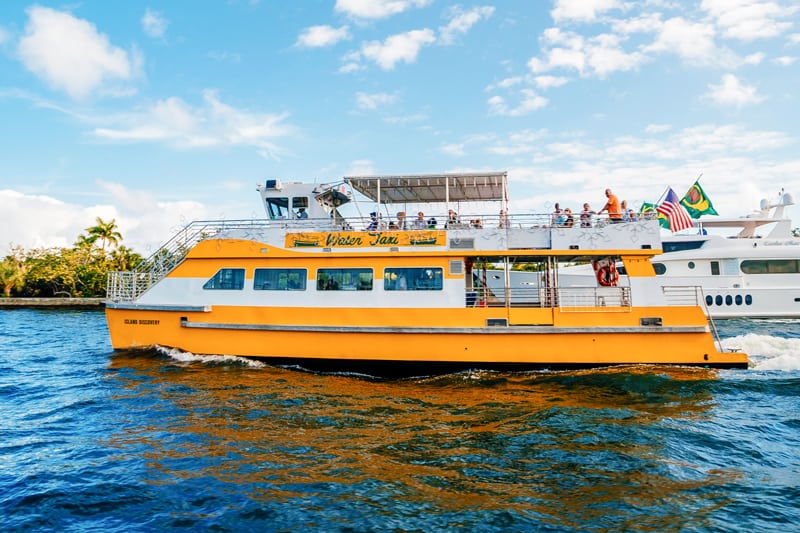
{"x": 80, "y": 271}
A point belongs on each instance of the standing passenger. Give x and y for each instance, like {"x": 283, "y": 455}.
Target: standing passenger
{"x": 612, "y": 207}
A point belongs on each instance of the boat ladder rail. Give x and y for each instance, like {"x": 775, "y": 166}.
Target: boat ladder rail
{"x": 127, "y": 286}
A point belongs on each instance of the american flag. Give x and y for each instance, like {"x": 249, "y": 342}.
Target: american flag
{"x": 677, "y": 215}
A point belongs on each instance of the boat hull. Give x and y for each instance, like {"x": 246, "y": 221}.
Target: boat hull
{"x": 463, "y": 340}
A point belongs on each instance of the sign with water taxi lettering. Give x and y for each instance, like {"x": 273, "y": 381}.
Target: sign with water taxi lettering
{"x": 365, "y": 239}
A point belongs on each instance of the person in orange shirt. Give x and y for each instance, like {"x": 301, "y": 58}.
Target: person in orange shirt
{"x": 612, "y": 207}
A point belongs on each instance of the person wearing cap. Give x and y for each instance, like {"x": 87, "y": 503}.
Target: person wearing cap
{"x": 373, "y": 223}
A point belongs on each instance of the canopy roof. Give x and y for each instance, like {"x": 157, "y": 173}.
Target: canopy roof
{"x": 430, "y": 188}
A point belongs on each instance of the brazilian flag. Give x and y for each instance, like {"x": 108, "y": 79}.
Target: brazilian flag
{"x": 651, "y": 208}
{"x": 696, "y": 202}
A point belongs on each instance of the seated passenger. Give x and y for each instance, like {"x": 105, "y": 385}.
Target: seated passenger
{"x": 373, "y": 223}
{"x": 420, "y": 223}
{"x": 301, "y": 213}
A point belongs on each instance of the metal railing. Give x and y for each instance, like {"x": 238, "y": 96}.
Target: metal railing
{"x": 565, "y": 298}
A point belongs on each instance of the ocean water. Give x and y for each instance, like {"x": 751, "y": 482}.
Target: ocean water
{"x": 96, "y": 440}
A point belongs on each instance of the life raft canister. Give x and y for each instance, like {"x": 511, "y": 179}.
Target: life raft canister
{"x": 607, "y": 275}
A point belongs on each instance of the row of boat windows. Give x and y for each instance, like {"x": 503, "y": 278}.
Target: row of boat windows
{"x": 728, "y": 300}
{"x": 749, "y": 266}
{"x": 329, "y": 279}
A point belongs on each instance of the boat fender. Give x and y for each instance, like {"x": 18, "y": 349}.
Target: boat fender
{"x": 607, "y": 276}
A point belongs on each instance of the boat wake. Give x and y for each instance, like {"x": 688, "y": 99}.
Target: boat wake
{"x": 767, "y": 352}
{"x": 188, "y": 357}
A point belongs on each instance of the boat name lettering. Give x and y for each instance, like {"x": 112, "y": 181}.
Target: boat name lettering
{"x": 380, "y": 239}
{"x": 335, "y": 239}
{"x": 143, "y": 322}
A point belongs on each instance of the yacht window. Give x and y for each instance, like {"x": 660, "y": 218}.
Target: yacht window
{"x": 660, "y": 268}
{"x": 280, "y": 279}
{"x": 715, "y": 268}
{"x": 691, "y": 265}
{"x": 278, "y": 207}
{"x": 412, "y": 279}
{"x": 226, "y": 279}
{"x": 344, "y": 279}
{"x": 770, "y": 266}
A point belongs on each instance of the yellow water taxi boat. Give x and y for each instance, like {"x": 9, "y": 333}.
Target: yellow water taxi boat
{"x": 324, "y": 291}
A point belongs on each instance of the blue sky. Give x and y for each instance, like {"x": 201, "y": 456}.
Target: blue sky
{"x": 159, "y": 113}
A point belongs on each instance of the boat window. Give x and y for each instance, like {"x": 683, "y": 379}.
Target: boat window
{"x": 682, "y": 245}
{"x": 412, "y": 279}
{"x": 278, "y": 207}
{"x": 344, "y": 279}
{"x": 660, "y": 268}
{"x": 770, "y": 266}
{"x": 226, "y": 279}
{"x": 691, "y": 265}
{"x": 280, "y": 279}
{"x": 715, "y": 268}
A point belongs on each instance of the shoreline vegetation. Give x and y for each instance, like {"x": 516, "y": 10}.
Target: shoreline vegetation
{"x": 65, "y": 277}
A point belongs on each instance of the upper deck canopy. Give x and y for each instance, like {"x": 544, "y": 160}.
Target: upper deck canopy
{"x": 431, "y": 188}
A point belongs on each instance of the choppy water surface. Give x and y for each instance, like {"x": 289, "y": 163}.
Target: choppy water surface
{"x": 95, "y": 440}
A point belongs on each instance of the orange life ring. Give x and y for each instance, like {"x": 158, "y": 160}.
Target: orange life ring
{"x": 607, "y": 276}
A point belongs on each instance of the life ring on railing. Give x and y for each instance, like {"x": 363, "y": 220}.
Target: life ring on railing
{"x": 607, "y": 275}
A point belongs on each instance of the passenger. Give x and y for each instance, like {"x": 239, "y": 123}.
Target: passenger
{"x": 452, "y": 218}
{"x": 301, "y": 213}
{"x": 476, "y": 223}
{"x": 586, "y": 216}
{"x": 556, "y": 217}
{"x": 570, "y": 221}
{"x": 373, "y": 223}
{"x": 402, "y": 284}
{"x": 420, "y": 222}
{"x": 612, "y": 207}
{"x": 503, "y": 223}
{"x": 626, "y": 217}
{"x": 401, "y": 220}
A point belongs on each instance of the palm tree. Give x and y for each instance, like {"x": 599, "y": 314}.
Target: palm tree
{"x": 106, "y": 232}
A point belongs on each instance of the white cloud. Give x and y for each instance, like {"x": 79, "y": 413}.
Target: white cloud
{"x": 733, "y": 92}
{"x": 70, "y": 55}
{"x": 5, "y": 36}
{"x": 599, "y": 55}
{"x": 462, "y": 21}
{"x": 375, "y": 100}
{"x": 657, "y": 128}
{"x": 376, "y": 9}
{"x": 692, "y": 41}
{"x": 455, "y": 149}
{"x": 785, "y": 61}
{"x": 794, "y": 38}
{"x": 154, "y": 24}
{"x": 361, "y": 167}
{"x": 320, "y": 36}
{"x": 548, "y": 82}
{"x": 581, "y": 10}
{"x": 754, "y": 59}
{"x": 748, "y": 20}
{"x": 505, "y": 83}
{"x": 530, "y": 101}
{"x": 214, "y": 124}
{"x": 401, "y": 47}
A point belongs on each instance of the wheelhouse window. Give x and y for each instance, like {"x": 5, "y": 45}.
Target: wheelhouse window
{"x": 280, "y": 279}
{"x": 278, "y": 207}
{"x": 413, "y": 279}
{"x": 344, "y": 279}
{"x": 770, "y": 266}
{"x": 226, "y": 279}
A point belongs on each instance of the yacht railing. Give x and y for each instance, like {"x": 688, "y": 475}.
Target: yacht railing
{"x": 684, "y": 295}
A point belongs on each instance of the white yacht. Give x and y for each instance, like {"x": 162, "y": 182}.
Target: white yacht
{"x": 753, "y": 271}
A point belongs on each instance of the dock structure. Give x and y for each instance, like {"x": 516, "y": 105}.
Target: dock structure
{"x": 52, "y": 303}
